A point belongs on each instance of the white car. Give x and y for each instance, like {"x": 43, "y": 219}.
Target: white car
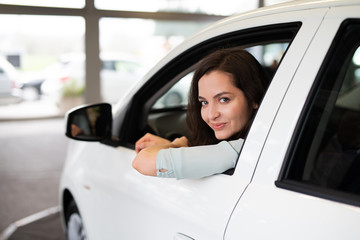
{"x": 9, "y": 83}
{"x": 297, "y": 176}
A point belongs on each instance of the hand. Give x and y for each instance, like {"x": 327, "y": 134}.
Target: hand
{"x": 145, "y": 161}
{"x": 180, "y": 142}
{"x": 149, "y": 140}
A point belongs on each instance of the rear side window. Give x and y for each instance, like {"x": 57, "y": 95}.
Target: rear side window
{"x": 325, "y": 158}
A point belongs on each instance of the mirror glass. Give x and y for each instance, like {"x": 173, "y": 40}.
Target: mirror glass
{"x": 90, "y": 123}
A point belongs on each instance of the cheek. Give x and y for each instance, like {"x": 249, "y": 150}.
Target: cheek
{"x": 240, "y": 115}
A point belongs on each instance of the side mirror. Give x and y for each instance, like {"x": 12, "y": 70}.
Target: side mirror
{"x": 90, "y": 123}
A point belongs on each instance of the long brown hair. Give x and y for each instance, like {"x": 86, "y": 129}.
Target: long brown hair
{"x": 248, "y": 75}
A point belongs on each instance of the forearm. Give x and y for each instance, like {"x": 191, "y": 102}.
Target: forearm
{"x": 145, "y": 160}
{"x": 198, "y": 162}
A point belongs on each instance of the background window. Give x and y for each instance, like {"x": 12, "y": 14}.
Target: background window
{"x": 136, "y": 45}
{"x": 226, "y": 7}
{"x": 40, "y": 46}
{"x": 47, "y": 3}
{"x": 45, "y": 54}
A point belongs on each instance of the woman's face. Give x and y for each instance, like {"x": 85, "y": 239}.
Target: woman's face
{"x": 224, "y": 106}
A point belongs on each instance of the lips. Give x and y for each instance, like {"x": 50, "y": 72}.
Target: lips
{"x": 217, "y": 126}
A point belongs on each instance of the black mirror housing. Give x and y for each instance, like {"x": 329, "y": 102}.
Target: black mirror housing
{"x": 90, "y": 122}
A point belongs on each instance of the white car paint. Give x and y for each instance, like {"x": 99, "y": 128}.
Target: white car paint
{"x": 116, "y": 202}
{"x": 311, "y": 217}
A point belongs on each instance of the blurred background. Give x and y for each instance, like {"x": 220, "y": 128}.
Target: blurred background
{"x": 57, "y": 54}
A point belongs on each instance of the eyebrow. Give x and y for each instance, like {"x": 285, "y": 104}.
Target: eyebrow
{"x": 216, "y": 96}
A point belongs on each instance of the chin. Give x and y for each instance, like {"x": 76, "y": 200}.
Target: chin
{"x": 222, "y": 136}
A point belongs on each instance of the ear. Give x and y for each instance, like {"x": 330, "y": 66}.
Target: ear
{"x": 255, "y": 106}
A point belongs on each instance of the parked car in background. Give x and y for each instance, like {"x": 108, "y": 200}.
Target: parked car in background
{"x": 16, "y": 86}
{"x": 31, "y": 86}
{"x": 119, "y": 72}
{"x": 9, "y": 83}
{"x": 298, "y": 173}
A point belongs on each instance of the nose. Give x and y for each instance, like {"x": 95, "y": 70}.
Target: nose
{"x": 212, "y": 112}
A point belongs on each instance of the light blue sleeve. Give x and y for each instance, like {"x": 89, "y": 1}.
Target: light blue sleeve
{"x": 198, "y": 162}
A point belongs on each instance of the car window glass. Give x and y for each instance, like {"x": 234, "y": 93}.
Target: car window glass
{"x": 177, "y": 95}
{"x": 269, "y": 55}
{"x": 340, "y": 148}
{"x": 326, "y": 156}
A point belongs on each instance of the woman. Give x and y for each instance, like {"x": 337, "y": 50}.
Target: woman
{"x": 225, "y": 93}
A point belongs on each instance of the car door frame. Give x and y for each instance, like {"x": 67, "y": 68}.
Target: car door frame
{"x": 287, "y": 213}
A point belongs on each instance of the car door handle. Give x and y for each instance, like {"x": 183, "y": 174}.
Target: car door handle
{"x": 180, "y": 236}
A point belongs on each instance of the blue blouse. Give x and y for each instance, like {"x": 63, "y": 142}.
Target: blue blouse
{"x": 199, "y": 161}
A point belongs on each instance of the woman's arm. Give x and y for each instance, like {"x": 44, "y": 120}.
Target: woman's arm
{"x": 198, "y": 162}
{"x": 149, "y": 140}
{"x": 145, "y": 160}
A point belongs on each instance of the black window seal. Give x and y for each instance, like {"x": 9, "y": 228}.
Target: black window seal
{"x": 324, "y": 193}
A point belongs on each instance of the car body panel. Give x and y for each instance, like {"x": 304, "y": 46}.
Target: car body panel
{"x": 123, "y": 191}
{"x": 115, "y": 200}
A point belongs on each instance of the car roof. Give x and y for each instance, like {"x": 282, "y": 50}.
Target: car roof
{"x": 296, "y": 5}
{"x": 290, "y": 6}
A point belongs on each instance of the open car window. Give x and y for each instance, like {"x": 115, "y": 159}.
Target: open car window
{"x": 268, "y": 55}
{"x": 168, "y": 114}
{"x": 159, "y": 107}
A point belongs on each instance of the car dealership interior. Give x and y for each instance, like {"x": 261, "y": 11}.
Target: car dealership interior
{"x": 57, "y": 55}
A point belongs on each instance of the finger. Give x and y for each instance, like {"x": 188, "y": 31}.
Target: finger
{"x": 143, "y": 145}
{"x": 141, "y": 141}
{"x": 146, "y": 138}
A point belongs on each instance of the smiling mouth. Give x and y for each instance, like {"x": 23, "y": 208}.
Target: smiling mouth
{"x": 218, "y": 126}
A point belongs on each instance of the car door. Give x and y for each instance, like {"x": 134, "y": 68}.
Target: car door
{"x": 118, "y": 201}
{"x": 304, "y": 187}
